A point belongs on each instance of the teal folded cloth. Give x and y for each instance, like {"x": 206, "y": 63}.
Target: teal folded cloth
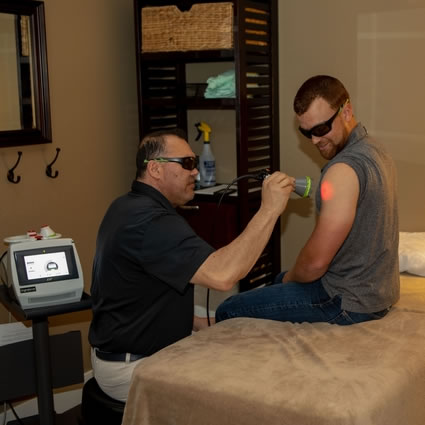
{"x": 222, "y": 85}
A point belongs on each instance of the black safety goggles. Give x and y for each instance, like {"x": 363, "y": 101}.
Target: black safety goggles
{"x": 323, "y": 128}
{"x": 187, "y": 162}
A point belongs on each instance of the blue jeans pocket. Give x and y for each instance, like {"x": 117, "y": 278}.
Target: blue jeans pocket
{"x": 342, "y": 319}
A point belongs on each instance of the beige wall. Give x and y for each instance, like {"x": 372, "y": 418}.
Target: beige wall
{"x": 376, "y": 48}
{"x": 93, "y": 98}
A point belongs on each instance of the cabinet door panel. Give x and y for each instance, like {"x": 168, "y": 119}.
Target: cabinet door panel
{"x": 218, "y": 226}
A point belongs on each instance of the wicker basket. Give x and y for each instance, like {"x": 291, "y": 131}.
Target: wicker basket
{"x": 205, "y": 26}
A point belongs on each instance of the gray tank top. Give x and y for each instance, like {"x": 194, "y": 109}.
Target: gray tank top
{"x": 365, "y": 271}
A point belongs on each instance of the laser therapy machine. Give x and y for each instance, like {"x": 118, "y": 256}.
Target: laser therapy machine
{"x": 42, "y": 273}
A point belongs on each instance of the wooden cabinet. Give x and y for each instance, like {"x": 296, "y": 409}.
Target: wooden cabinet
{"x": 217, "y": 224}
{"x": 164, "y": 101}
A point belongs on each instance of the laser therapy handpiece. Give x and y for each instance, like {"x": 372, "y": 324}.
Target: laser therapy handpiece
{"x": 303, "y": 185}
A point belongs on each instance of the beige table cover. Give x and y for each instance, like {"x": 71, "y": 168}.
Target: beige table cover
{"x": 258, "y": 372}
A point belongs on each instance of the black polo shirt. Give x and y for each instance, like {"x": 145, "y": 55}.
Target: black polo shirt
{"x": 146, "y": 254}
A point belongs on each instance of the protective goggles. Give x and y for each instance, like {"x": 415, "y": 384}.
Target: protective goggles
{"x": 187, "y": 162}
{"x": 323, "y": 128}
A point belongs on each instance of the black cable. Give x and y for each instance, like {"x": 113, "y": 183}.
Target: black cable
{"x": 259, "y": 176}
{"x": 208, "y": 307}
{"x": 14, "y": 412}
{"x": 1, "y": 263}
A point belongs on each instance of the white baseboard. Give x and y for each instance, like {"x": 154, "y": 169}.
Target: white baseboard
{"x": 63, "y": 401}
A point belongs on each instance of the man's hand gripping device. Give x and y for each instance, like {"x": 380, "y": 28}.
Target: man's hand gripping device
{"x": 303, "y": 185}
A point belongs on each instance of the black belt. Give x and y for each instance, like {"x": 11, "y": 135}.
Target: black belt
{"x": 116, "y": 357}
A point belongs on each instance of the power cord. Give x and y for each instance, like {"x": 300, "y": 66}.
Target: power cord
{"x": 261, "y": 175}
{"x": 3, "y": 277}
{"x": 3, "y": 272}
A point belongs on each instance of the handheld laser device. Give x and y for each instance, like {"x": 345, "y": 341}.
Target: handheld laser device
{"x": 303, "y": 185}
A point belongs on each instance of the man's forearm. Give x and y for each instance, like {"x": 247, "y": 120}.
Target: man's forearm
{"x": 225, "y": 267}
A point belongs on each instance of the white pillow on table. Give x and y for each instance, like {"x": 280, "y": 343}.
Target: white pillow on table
{"x": 411, "y": 252}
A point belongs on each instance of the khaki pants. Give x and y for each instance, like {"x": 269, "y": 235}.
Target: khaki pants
{"x": 113, "y": 377}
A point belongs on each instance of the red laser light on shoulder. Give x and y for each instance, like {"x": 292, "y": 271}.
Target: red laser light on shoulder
{"x": 326, "y": 191}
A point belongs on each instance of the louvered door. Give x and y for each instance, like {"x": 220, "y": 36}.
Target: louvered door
{"x": 257, "y": 118}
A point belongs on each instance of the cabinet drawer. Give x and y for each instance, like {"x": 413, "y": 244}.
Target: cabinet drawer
{"x": 218, "y": 226}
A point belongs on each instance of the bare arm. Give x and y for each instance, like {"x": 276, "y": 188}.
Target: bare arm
{"x": 225, "y": 267}
{"x": 340, "y": 192}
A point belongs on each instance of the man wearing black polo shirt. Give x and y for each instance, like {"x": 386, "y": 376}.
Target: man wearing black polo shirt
{"x": 148, "y": 258}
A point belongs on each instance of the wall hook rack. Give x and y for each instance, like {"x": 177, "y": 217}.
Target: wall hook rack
{"x": 11, "y": 174}
{"x": 49, "y": 172}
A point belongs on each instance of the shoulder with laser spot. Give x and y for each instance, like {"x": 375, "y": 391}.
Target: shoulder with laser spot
{"x": 340, "y": 180}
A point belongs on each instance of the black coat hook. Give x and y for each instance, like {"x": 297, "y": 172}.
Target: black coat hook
{"x": 11, "y": 174}
{"x": 49, "y": 167}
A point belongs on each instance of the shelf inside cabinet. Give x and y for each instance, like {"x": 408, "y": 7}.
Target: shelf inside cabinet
{"x": 214, "y": 199}
{"x": 202, "y": 103}
{"x": 215, "y": 194}
{"x": 193, "y": 103}
{"x": 190, "y": 56}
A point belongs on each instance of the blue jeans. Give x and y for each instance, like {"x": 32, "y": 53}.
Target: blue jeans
{"x": 292, "y": 302}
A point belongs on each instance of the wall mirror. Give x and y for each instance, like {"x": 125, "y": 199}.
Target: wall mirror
{"x": 24, "y": 86}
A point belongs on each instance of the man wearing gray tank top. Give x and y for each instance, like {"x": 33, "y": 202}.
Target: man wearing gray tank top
{"x": 348, "y": 271}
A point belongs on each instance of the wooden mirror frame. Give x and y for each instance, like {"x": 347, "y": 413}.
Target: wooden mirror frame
{"x": 42, "y": 131}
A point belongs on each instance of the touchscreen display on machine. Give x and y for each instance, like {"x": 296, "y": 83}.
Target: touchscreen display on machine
{"x": 44, "y": 273}
{"x": 45, "y": 265}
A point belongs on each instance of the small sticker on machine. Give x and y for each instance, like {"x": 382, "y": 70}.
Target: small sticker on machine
{"x": 30, "y": 289}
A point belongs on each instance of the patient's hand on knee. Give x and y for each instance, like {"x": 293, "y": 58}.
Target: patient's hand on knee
{"x": 201, "y": 322}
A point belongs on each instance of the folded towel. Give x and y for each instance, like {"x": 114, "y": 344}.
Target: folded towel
{"x": 222, "y": 85}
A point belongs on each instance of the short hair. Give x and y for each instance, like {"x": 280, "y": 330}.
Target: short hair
{"x": 324, "y": 86}
{"x": 153, "y": 146}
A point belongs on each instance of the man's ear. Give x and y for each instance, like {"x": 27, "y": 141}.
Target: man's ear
{"x": 347, "y": 112}
{"x": 154, "y": 169}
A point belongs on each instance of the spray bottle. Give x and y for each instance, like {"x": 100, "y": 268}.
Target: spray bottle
{"x": 206, "y": 159}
